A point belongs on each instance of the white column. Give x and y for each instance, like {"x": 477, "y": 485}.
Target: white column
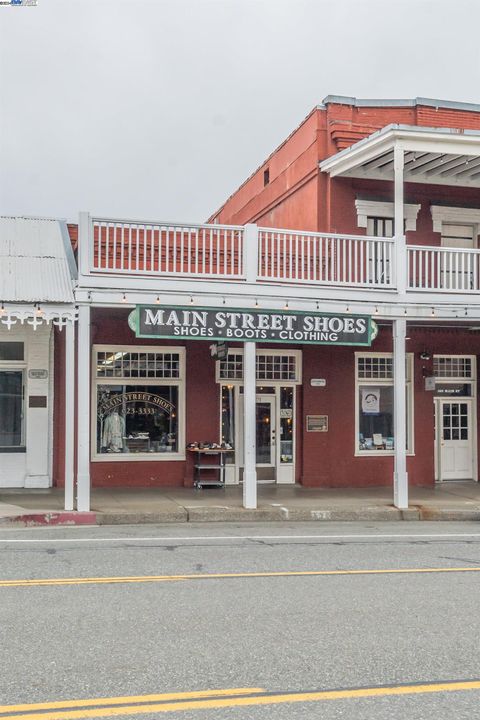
{"x": 249, "y": 427}
{"x": 84, "y": 243}
{"x": 69, "y": 413}
{"x": 250, "y": 252}
{"x": 400, "y": 476}
{"x": 400, "y": 242}
{"x": 83, "y": 409}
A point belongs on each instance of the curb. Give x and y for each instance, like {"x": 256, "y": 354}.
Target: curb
{"x": 449, "y": 514}
{"x": 220, "y": 513}
{"x": 116, "y": 518}
{"x": 51, "y": 518}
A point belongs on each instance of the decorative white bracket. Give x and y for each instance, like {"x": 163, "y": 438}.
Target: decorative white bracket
{"x": 373, "y": 208}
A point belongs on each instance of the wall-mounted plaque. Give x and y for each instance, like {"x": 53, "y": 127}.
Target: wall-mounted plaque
{"x": 318, "y": 382}
{"x": 37, "y": 401}
{"x": 317, "y": 423}
{"x": 38, "y": 374}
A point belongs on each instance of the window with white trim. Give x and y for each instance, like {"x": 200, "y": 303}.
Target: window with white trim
{"x": 12, "y": 381}
{"x": 139, "y": 400}
{"x": 271, "y": 365}
{"x": 453, "y": 366}
{"x": 374, "y": 403}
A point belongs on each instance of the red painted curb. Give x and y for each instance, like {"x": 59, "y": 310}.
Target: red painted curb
{"x": 55, "y": 518}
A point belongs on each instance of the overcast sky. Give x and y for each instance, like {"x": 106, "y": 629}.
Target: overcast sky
{"x": 159, "y": 109}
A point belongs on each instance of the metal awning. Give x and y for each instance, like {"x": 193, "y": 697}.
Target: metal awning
{"x": 36, "y": 261}
{"x": 37, "y": 272}
{"x": 434, "y": 156}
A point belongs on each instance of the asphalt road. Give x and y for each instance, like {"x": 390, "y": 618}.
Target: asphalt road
{"x": 256, "y": 621}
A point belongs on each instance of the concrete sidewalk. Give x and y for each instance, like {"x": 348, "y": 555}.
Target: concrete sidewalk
{"x": 449, "y": 501}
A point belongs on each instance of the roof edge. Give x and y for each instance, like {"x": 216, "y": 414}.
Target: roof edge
{"x": 396, "y": 102}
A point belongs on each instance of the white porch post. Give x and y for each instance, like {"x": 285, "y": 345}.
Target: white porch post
{"x": 400, "y": 476}
{"x": 250, "y": 252}
{"x": 400, "y": 242}
{"x": 249, "y": 429}
{"x": 69, "y": 413}
{"x": 84, "y": 243}
{"x": 83, "y": 409}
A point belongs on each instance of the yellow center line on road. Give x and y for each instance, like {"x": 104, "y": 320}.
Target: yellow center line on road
{"x": 219, "y": 576}
{"x": 213, "y": 703}
{"x": 126, "y": 699}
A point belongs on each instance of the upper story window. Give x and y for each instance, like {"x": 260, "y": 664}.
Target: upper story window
{"x": 371, "y": 213}
{"x": 379, "y": 227}
{"x": 459, "y": 227}
{"x": 266, "y": 176}
{"x": 458, "y": 236}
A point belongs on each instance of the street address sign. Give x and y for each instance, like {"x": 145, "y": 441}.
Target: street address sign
{"x": 273, "y": 326}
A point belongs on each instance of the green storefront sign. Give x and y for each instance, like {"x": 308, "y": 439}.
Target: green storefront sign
{"x": 239, "y": 324}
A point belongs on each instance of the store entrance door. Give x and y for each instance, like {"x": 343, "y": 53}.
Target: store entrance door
{"x": 265, "y": 430}
{"x": 454, "y": 439}
{"x": 265, "y": 434}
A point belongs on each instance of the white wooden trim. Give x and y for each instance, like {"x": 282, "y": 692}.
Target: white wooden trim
{"x": 436, "y": 398}
{"x": 267, "y": 381}
{"x": 457, "y": 215}
{"x": 385, "y": 382}
{"x": 377, "y": 208}
{"x": 177, "y": 382}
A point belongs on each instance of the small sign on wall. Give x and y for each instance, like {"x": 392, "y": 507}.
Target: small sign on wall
{"x": 317, "y": 423}
{"x": 38, "y": 374}
{"x": 430, "y": 383}
{"x": 318, "y": 382}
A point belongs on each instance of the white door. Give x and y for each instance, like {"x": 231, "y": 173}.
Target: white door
{"x": 455, "y": 439}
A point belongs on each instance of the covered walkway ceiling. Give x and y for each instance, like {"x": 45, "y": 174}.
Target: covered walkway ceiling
{"x": 434, "y": 156}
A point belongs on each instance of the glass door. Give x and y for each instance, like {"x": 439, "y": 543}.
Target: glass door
{"x": 265, "y": 430}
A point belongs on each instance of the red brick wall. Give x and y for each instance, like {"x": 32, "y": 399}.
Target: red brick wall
{"x": 201, "y": 399}
{"x": 328, "y": 458}
{"x": 288, "y": 200}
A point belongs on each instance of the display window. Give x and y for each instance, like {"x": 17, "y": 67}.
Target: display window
{"x": 138, "y": 418}
{"x": 375, "y": 403}
{"x": 12, "y": 397}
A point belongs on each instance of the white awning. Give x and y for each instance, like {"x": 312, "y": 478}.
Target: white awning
{"x": 437, "y": 156}
{"x": 36, "y": 261}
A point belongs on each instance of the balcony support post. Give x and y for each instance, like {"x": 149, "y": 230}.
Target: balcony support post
{"x": 69, "y": 389}
{"x": 84, "y": 243}
{"x": 249, "y": 427}
{"x": 400, "y": 241}
{"x": 250, "y": 252}
{"x": 400, "y": 475}
{"x": 83, "y": 409}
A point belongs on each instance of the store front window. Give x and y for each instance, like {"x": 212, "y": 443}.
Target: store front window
{"x": 135, "y": 418}
{"x": 375, "y": 405}
{"x": 11, "y": 409}
{"x": 11, "y": 396}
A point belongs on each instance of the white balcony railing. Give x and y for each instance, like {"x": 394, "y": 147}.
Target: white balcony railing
{"x": 165, "y": 249}
{"x": 443, "y": 269}
{"x": 325, "y": 259}
{"x": 272, "y": 256}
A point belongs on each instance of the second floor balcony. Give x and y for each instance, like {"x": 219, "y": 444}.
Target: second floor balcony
{"x": 121, "y": 249}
